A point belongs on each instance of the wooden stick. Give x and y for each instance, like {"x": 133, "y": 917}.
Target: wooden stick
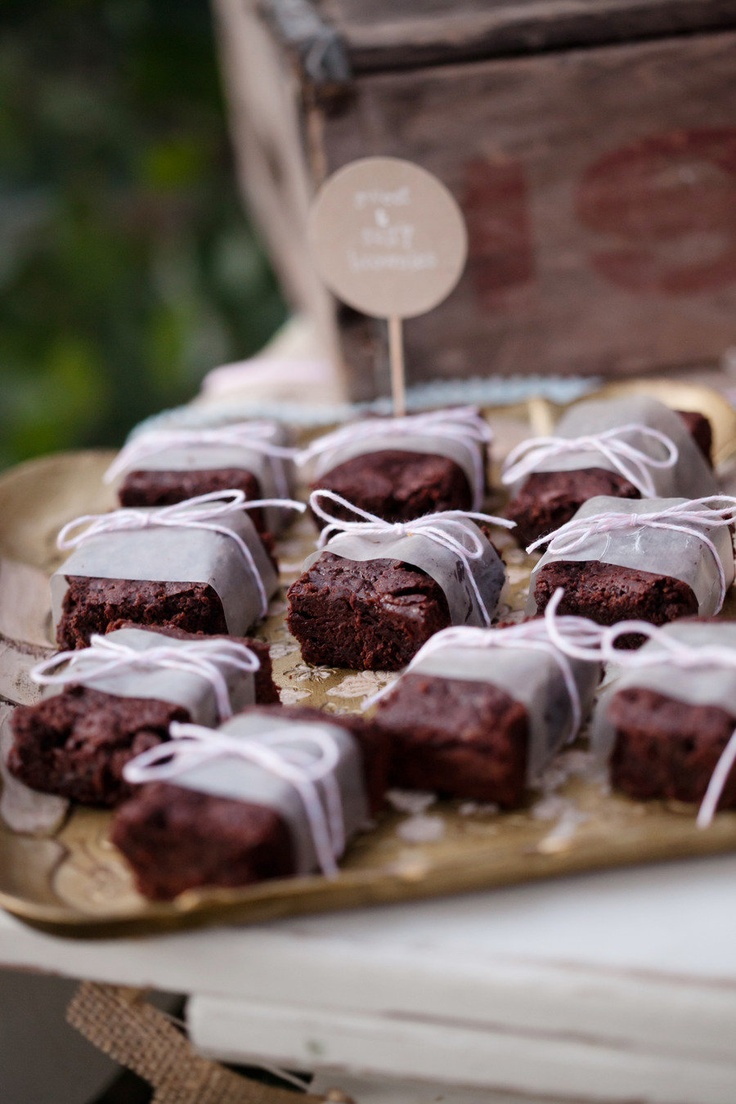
{"x": 396, "y": 358}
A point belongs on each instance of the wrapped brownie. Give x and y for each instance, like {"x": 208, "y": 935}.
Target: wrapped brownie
{"x": 198, "y": 565}
{"x": 652, "y": 559}
{"x": 270, "y": 793}
{"x": 167, "y": 464}
{"x": 666, "y": 716}
{"x": 107, "y": 703}
{"x": 401, "y": 468}
{"x": 633, "y": 447}
{"x": 479, "y": 713}
{"x": 377, "y": 591}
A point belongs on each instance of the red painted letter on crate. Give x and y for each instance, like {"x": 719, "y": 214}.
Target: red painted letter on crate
{"x": 667, "y": 205}
{"x": 495, "y": 205}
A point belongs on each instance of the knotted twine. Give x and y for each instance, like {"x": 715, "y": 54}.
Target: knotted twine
{"x": 632, "y": 463}
{"x": 255, "y": 436}
{"x": 105, "y": 656}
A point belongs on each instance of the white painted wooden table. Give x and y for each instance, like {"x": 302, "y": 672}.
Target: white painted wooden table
{"x": 619, "y": 986}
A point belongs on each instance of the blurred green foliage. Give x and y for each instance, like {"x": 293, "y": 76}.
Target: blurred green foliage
{"x": 127, "y": 267}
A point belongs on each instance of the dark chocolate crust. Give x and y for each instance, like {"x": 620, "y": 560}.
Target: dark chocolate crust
{"x": 92, "y": 605}
{"x": 607, "y": 593}
{"x": 457, "y": 737}
{"x": 667, "y": 748}
{"x": 398, "y": 485}
{"x": 367, "y": 615}
{"x": 176, "y": 839}
{"x": 548, "y": 499}
{"x": 266, "y": 690}
{"x": 163, "y": 488}
{"x": 76, "y": 743}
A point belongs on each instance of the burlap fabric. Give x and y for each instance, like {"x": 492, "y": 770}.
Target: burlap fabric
{"x": 135, "y": 1034}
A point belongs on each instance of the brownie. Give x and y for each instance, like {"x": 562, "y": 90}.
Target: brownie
{"x": 548, "y": 499}
{"x": 398, "y": 485}
{"x": 367, "y": 615}
{"x": 163, "y": 488}
{"x": 176, "y": 839}
{"x": 457, "y": 737}
{"x": 92, "y": 605}
{"x": 667, "y": 748}
{"x": 266, "y": 690}
{"x": 76, "y": 743}
{"x": 607, "y": 594}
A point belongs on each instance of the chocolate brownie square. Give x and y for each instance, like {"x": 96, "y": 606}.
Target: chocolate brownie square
{"x": 76, "y": 743}
{"x": 607, "y": 594}
{"x": 92, "y": 605}
{"x": 398, "y": 485}
{"x": 548, "y": 499}
{"x": 163, "y": 488}
{"x": 667, "y": 748}
{"x": 176, "y": 838}
{"x": 457, "y": 737}
{"x": 368, "y": 615}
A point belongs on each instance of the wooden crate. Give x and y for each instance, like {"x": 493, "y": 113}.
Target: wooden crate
{"x": 592, "y": 147}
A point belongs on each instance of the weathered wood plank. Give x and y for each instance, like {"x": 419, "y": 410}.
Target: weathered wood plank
{"x": 400, "y": 34}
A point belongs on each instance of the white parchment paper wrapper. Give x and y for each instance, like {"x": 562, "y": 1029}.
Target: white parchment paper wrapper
{"x": 235, "y": 778}
{"x": 178, "y": 555}
{"x": 531, "y": 677}
{"x": 693, "y": 685}
{"x": 691, "y": 476}
{"x": 276, "y": 475}
{"x": 659, "y": 551}
{"x": 464, "y": 453}
{"x": 441, "y": 564}
{"x": 185, "y": 688}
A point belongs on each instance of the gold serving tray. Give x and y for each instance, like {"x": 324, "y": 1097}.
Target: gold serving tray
{"x": 71, "y": 880}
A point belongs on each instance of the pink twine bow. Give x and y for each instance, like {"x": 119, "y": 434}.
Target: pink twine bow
{"x": 631, "y": 462}
{"x": 301, "y": 755}
{"x": 256, "y": 436}
{"x": 453, "y": 532}
{"x": 462, "y": 424}
{"x": 105, "y": 656}
{"x": 680, "y": 518}
{"x": 201, "y": 512}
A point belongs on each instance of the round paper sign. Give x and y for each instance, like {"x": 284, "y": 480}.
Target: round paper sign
{"x": 387, "y": 237}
